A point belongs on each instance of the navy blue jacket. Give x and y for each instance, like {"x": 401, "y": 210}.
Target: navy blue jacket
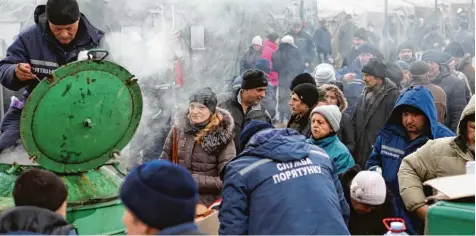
{"x": 38, "y": 47}
{"x": 352, "y": 89}
{"x": 282, "y": 185}
{"x": 322, "y": 39}
{"x": 392, "y": 144}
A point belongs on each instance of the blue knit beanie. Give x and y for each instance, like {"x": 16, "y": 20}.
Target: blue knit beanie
{"x": 160, "y": 194}
{"x": 251, "y": 128}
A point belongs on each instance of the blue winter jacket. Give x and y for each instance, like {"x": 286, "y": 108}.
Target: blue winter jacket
{"x": 337, "y": 151}
{"x": 352, "y": 89}
{"x": 392, "y": 145}
{"x": 38, "y": 47}
{"x": 282, "y": 185}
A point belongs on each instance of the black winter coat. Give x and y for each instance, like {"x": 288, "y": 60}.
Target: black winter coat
{"x": 455, "y": 90}
{"x": 230, "y": 103}
{"x": 350, "y": 56}
{"x": 305, "y": 44}
{"x": 249, "y": 59}
{"x": 371, "y": 223}
{"x": 28, "y": 220}
{"x": 346, "y": 132}
{"x": 288, "y": 62}
{"x": 368, "y": 123}
{"x": 322, "y": 40}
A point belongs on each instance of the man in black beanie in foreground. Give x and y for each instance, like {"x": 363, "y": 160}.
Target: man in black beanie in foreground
{"x": 244, "y": 103}
{"x": 373, "y": 108}
{"x": 61, "y": 32}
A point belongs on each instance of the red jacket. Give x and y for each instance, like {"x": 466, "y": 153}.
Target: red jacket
{"x": 268, "y": 49}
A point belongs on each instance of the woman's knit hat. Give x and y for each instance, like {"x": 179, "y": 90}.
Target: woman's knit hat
{"x": 324, "y": 73}
{"x": 368, "y": 187}
{"x": 331, "y": 113}
{"x": 206, "y": 97}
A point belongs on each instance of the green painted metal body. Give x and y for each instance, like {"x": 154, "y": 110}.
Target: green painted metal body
{"x": 450, "y": 218}
{"x": 73, "y": 123}
{"x": 93, "y": 204}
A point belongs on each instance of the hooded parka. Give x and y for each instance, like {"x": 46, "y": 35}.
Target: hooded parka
{"x": 205, "y": 154}
{"x": 437, "y": 158}
{"x": 393, "y": 144}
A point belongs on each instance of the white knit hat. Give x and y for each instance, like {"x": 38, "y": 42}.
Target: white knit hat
{"x": 257, "y": 40}
{"x": 288, "y": 39}
{"x": 331, "y": 113}
{"x": 368, "y": 187}
{"x": 324, "y": 73}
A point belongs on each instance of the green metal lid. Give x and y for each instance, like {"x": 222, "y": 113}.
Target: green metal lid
{"x": 81, "y": 116}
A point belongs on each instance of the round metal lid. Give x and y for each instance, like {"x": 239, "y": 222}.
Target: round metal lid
{"x": 81, "y": 116}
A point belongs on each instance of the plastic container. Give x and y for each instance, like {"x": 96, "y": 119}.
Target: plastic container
{"x": 470, "y": 167}
{"x": 396, "y": 227}
{"x": 450, "y": 218}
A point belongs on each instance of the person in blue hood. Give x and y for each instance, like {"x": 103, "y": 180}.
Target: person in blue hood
{"x": 280, "y": 184}
{"x": 412, "y": 123}
{"x": 61, "y": 32}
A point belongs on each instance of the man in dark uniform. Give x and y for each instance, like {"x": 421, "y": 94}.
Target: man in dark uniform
{"x": 60, "y": 33}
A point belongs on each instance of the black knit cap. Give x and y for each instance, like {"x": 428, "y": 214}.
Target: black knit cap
{"x": 455, "y": 49}
{"x": 39, "y": 188}
{"x": 254, "y": 79}
{"x": 361, "y": 33}
{"x": 304, "y": 78}
{"x": 367, "y": 48}
{"x": 206, "y": 97}
{"x": 308, "y": 93}
{"x": 419, "y": 68}
{"x": 375, "y": 67}
{"x": 62, "y": 12}
{"x": 406, "y": 45}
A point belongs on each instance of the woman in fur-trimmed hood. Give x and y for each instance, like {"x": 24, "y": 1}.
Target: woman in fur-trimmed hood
{"x": 204, "y": 143}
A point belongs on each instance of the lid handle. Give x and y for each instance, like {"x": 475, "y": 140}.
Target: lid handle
{"x": 93, "y": 52}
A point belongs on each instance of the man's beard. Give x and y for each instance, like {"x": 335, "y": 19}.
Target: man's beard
{"x": 364, "y": 63}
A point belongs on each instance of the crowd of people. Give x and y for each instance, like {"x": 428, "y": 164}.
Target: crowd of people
{"x": 285, "y": 151}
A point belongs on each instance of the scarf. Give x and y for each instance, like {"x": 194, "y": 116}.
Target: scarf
{"x": 195, "y": 128}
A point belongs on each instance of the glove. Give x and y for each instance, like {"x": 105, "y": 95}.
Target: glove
{"x": 83, "y": 56}
{"x": 376, "y": 169}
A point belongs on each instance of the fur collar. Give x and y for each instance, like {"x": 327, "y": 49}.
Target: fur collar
{"x": 218, "y": 136}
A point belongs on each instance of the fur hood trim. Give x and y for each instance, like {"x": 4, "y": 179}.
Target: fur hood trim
{"x": 218, "y": 136}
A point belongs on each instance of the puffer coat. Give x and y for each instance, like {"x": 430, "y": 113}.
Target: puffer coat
{"x": 204, "y": 158}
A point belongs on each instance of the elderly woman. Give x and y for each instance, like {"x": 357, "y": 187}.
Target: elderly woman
{"x": 325, "y": 124}
{"x": 335, "y": 96}
{"x": 202, "y": 141}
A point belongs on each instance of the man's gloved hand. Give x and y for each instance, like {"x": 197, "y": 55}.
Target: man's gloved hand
{"x": 376, "y": 169}
{"x": 83, "y": 56}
